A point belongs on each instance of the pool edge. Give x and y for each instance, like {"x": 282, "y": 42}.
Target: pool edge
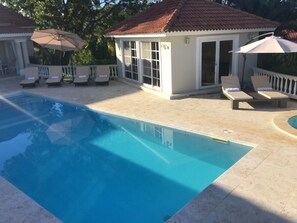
{"x": 280, "y": 122}
{"x": 16, "y": 206}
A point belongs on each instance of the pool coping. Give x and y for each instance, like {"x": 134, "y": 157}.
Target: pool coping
{"x": 281, "y": 123}
{"x": 21, "y": 208}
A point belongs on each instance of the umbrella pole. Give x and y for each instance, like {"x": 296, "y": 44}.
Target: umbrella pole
{"x": 61, "y": 57}
{"x": 243, "y": 68}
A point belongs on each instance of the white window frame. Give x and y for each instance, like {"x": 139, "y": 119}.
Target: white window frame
{"x": 123, "y": 59}
{"x": 141, "y": 71}
{"x": 139, "y": 61}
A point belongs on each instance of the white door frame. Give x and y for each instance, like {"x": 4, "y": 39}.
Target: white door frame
{"x": 217, "y": 39}
{"x": 141, "y": 64}
{"x": 123, "y": 60}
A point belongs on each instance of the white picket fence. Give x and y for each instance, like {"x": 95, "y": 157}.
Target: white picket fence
{"x": 281, "y": 82}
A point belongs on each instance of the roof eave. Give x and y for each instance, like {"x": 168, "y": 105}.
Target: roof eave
{"x": 138, "y": 35}
{"x": 189, "y": 33}
{"x": 219, "y": 32}
{"x": 12, "y": 35}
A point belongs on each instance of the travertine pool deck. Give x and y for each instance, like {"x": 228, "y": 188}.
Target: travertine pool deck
{"x": 261, "y": 187}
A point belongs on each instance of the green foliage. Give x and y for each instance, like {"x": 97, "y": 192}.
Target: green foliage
{"x": 283, "y": 69}
{"x": 87, "y": 18}
{"x": 282, "y": 63}
{"x": 277, "y": 10}
{"x": 83, "y": 57}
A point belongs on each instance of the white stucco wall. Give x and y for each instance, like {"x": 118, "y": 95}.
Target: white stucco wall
{"x": 183, "y": 58}
{"x": 178, "y": 60}
{"x": 166, "y": 67}
{"x": 119, "y": 57}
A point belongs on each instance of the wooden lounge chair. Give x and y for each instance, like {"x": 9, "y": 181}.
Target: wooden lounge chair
{"x": 82, "y": 76}
{"x": 231, "y": 89}
{"x": 31, "y": 77}
{"x": 55, "y": 76}
{"x": 102, "y": 74}
{"x": 265, "y": 91}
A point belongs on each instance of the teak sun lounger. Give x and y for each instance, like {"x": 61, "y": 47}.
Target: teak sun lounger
{"x": 82, "y": 76}
{"x": 231, "y": 89}
{"x": 55, "y": 76}
{"x": 102, "y": 74}
{"x": 31, "y": 77}
{"x": 263, "y": 88}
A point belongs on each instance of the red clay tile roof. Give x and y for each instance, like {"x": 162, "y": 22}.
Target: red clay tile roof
{"x": 12, "y": 22}
{"x": 189, "y": 15}
{"x": 289, "y": 35}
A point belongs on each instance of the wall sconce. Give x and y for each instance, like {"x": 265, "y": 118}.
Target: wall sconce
{"x": 187, "y": 40}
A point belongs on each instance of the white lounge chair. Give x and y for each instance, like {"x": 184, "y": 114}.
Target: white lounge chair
{"x": 31, "y": 77}
{"x": 82, "y": 76}
{"x": 263, "y": 87}
{"x": 55, "y": 76}
{"x": 231, "y": 89}
{"x": 102, "y": 74}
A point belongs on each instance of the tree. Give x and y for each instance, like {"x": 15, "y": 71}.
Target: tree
{"x": 277, "y": 10}
{"x": 87, "y": 18}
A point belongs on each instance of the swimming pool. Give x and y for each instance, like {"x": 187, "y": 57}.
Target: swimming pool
{"x": 85, "y": 166}
{"x": 293, "y": 121}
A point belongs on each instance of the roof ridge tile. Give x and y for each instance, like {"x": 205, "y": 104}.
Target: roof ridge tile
{"x": 174, "y": 15}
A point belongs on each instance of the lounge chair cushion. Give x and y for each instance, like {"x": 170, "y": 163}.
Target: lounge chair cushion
{"x": 233, "y": 89}
{"x": 273, "y": 94}
{"x": 81, "y": 79}
{"x": 102, "y": 74}
{"x": 264, "y": 89}
{"x": 31, "y": 77}
{"x": 237, "y": 95}
{"x": 26, "y": 81}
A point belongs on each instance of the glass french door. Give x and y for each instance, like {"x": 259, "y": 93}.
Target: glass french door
{"x": 150, "y": 63}
{"x": 130, "y": 60}
{"x": 208, "y": 63}
{"x": 215, "y": 61}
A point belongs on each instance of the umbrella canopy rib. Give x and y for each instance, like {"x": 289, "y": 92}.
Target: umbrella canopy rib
{"x": 270, "y": 44}
{"x": 57, "y": 39}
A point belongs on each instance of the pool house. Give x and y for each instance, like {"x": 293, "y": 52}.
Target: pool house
{"x": 179, "y": 47}
{"x": 15, "y": 43}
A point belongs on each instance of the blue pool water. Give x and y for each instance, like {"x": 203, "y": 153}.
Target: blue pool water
{"x": 90, "y": 167}
{"x": 293, "y": 121}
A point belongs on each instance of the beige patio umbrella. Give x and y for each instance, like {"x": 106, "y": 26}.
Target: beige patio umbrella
{"x": 57, "y": 39}
{"x": 71, "y": 129}
{"x": 271, "y": 44}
